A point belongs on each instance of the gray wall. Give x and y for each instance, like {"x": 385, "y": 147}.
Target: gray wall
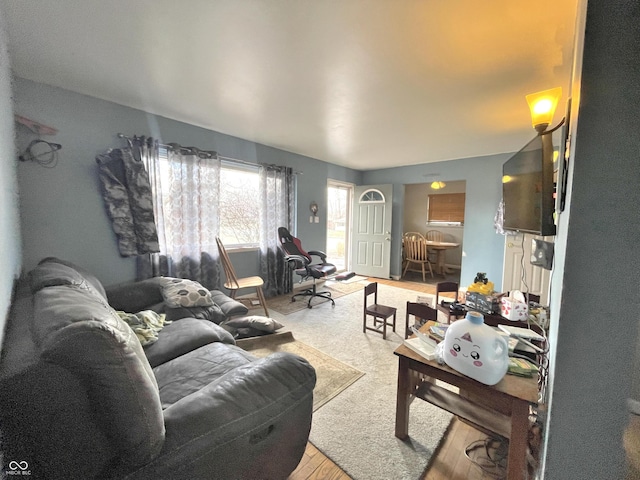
{"x": 483, "y": 249}
{"x": 62, "y": 211}
{"x": 10, "y": 255}
{"x": 63, "y": 214}
{"x": 595, "y": 301}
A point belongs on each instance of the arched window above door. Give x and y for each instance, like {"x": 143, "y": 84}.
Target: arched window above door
{"x": 371, "y": 196}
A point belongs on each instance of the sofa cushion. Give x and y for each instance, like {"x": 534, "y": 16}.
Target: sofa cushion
{"x": 182, "y": 336}
{"x": 52, "y": 271}
{"x": 181, "y": 292}
{"x": 75, "y": 328}
{"x": 195, "y": 370}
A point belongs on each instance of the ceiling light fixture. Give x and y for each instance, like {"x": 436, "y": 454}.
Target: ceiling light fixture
{"x": 543, "y": 106}
{"x": 438, "y": 185}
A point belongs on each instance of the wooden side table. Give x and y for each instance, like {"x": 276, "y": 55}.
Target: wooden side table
{"x": 502, "y": 408}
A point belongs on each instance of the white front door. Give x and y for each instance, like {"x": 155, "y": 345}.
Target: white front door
{"x": 372, "y": 230}
{"x": 518, "y": 273}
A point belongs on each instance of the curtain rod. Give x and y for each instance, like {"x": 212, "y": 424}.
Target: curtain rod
{"x": 221, "y": 157}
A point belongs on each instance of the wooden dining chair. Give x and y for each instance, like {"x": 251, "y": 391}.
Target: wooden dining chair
{"x": 233, "y": 283}
{"x": 380, "y": 313}
{"x": 422, "y": 312}
{"x": 415, "y": 251}
{"x": 447, "y": 287}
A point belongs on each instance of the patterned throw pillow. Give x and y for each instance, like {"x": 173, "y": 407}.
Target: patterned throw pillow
{"x": 180, "y": 292}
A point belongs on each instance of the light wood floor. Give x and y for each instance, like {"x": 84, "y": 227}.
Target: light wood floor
{"x": 449, "y": 462}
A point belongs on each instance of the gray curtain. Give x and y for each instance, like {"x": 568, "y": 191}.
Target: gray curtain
{"x": 277, "y": 206}
{"x": 186, "y": 185}
{"x": 127, "y": 195}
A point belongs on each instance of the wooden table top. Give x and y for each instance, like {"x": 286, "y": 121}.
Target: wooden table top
{"x": 434, "y": 244}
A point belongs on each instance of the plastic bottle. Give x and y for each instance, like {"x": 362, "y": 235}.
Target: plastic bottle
{"x": 476, "y": 350}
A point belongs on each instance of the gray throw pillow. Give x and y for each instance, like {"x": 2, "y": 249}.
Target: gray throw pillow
{"x": 213, "y": 313}
{"x": 264, "y": 324}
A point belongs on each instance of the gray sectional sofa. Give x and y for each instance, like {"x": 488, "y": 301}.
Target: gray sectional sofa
{"x": 80, "y": 397}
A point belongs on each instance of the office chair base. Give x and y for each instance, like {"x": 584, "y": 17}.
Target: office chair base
{"x": 312, "y": 293}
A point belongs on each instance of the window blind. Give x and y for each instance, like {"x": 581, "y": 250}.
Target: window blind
{"x": 446, "y": 207}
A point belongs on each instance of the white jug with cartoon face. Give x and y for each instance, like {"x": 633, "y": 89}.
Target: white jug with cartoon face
{"x": 476, "y": 350}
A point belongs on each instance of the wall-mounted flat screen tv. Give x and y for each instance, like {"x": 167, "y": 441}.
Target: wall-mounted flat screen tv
{"x": 528, "y": 188}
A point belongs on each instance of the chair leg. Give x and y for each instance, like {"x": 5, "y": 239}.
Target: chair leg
{"x": 406, "y": 326}
{"x": 262, "y": 300}
{"x": 423, "y": 277}
{"x": 406, "y": 267}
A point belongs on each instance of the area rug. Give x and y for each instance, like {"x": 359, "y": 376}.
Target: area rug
{"x": 356, "y": 428}
{"x": 332, "y": 375}
{"x": 283, "y": 304}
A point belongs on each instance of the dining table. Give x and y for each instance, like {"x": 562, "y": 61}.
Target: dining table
{"x": 441, "y": 249}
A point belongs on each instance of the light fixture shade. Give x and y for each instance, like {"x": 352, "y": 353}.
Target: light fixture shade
{"x": 438, "y": 185}
{"x": 543, "y": 106}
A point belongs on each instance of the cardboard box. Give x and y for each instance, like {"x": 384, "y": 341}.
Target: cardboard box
{"x": 482, "y": 303}
{"x": 512, "y": 309}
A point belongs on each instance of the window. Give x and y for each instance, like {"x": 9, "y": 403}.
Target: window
{"x": 372, "y": 196}
{"x": 237, "y": 200}
{"x": 239, "y": 207}
{"x": 446, "y": 208}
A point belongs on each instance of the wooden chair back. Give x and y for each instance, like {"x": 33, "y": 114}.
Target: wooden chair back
{"x": 370, "y": 289}
{"x": 232, "y": 279}
{"x": 419, "y": 311}
{"x": 414, "y": 247}
{"x": 435, "y": 236}
{"x": 446, "y": 287}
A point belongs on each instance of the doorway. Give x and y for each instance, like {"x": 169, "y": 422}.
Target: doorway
{"x": 417, "y": 217}
{"x": 339, "y": 200}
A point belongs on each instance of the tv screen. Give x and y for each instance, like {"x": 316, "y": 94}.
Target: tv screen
{"x": 528, "y": 189}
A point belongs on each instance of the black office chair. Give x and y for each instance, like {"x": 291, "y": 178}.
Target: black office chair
{"x": 302, "y": 264}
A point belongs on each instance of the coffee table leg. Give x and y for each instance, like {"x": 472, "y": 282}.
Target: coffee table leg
{"x": 402, "y": 401}
{"x": 517, "y": 462}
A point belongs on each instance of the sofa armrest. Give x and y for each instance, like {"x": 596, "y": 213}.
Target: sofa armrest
{"x": 252, "y": 422}
{"x": 241, "y": 394}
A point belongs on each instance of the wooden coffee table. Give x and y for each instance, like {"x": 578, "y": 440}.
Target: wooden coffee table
{"x": 502, "y": 408}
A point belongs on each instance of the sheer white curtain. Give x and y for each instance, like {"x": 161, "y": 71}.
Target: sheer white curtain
{"x": 186, "y": 187}
{"x": 277, "y": 207}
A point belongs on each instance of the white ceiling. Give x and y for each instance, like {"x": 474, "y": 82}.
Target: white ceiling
{"x": 361, "y": 83}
